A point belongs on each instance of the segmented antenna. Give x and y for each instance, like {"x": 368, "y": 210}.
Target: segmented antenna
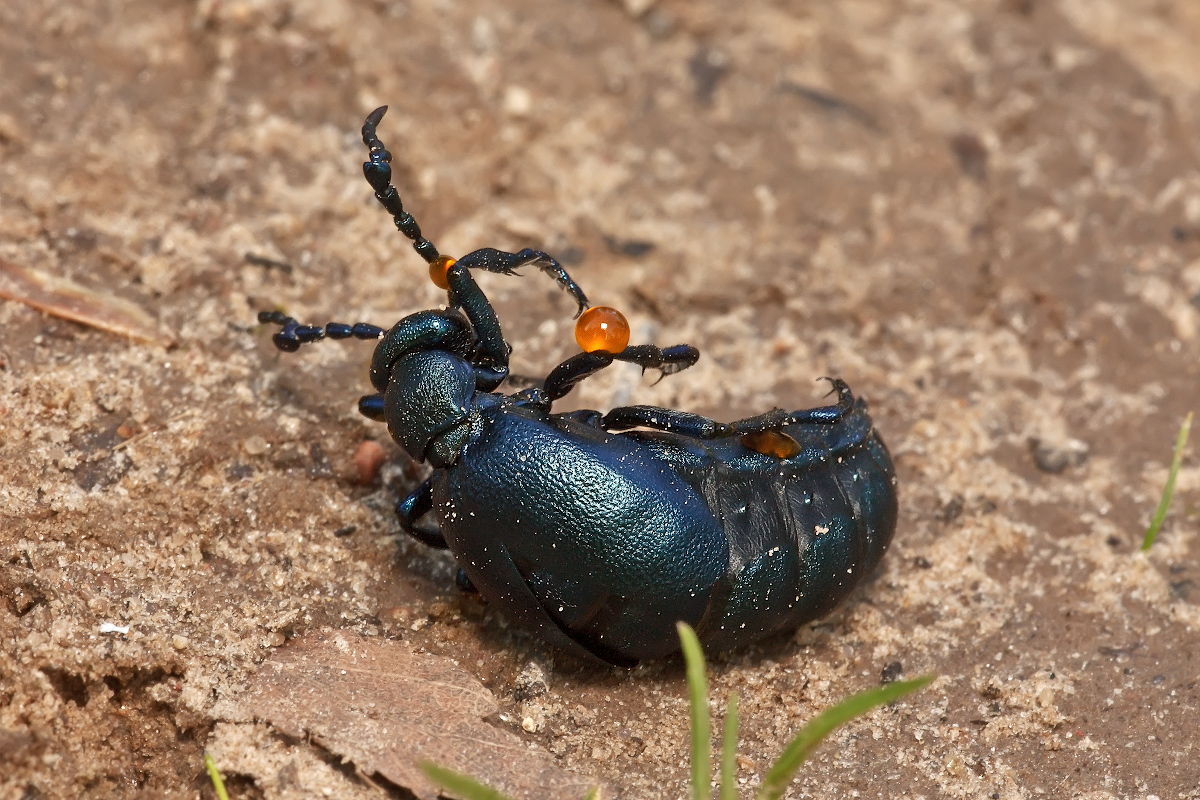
{"x": 378, "y": 172}
{"x": 294, "y": 334}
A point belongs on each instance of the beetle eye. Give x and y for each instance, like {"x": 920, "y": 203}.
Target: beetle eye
{"x": 602, "y": 328}
{"x": 438, "y": 269}
{"x": 771, "y": 443}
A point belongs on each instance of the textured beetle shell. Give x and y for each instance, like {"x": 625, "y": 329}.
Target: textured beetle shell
{"x": 601, "y": 541}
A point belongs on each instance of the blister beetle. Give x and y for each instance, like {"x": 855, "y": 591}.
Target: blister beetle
{"x": 599, "y": 531}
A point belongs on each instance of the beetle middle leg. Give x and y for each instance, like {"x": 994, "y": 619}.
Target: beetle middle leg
{"x": 412, "y": 508}
{"x": 670, "y": 360}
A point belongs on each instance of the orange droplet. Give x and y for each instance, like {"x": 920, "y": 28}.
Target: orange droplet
{"x": 602, "y": 328}
{"x": 771, "y": 443}
{"x": 438, "y": 269}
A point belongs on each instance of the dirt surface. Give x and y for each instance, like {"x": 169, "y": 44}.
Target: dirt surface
{"x": 984, "y": 215}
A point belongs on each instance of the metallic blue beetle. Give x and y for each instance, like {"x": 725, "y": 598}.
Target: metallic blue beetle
{"x": 596, "y": 536}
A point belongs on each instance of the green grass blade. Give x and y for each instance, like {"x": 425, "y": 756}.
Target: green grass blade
{"x": 1169, "y": 490}
{"x": 215, "y": 776}
{"x": 594, "y": 794}
{"x": 729, "y": 751}
{"x": 825, "y": 723}
{"x": 693, "y": 657}
{"x": 458, "y": 783}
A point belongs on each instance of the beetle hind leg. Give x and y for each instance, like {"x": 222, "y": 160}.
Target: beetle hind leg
{"x": 664, "y": 419}
{"x": 412, "y": 508}
{"x": 822, "y": 415}
{"x": 669, "y": 360}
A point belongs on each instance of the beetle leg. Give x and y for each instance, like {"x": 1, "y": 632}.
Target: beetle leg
{"x": 415, "y": 506}
{"x": 585, "y": 416}
{"x": 664, "y": 419}
{"x": 463, "y": 582}
{"x": 669, "y": 360}
{"x": 371, "y": 407}
{"x": 491, "y": 356}
{"x": 498, "y": 261}
{"x": 822, "y": 415}
{"x": 563, "y": 378}
{"x": 293, "y": 334}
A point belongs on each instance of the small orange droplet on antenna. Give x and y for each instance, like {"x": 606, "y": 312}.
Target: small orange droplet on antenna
{"x": 438, "y": 269}
{"x": 602, "y": 328}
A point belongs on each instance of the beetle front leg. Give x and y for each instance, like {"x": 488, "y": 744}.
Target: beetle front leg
{"x": 415, "y": 506}
{"x": 493, "y": 350}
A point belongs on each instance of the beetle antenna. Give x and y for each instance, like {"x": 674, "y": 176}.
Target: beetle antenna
{"x": 378, "y": 172}
{"x": 293, "y": 334}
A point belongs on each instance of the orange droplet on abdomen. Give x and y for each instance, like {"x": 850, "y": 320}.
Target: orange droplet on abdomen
{"x": 602, "y": 328}
{"x": 438, "y": 269}
{"x": 771, "y": 443}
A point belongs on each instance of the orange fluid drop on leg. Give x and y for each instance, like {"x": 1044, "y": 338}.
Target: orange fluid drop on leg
{"x": 602, "y": 328}
{"x": 438, "y": 269}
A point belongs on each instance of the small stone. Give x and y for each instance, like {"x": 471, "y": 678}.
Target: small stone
{"x": 368, "y": 458}
{"x": 892, "y": 672}
{"x": 530, "y": 683}
{"x": 180, "y": 642}
{"x": 255, "y": 445}
{"x": 1055, "y": 457}
{"x": 518, "y": 101}
{"x": 635, "y": 8}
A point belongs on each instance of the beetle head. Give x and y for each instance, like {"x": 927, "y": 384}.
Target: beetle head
{"x": 426, "y": 403}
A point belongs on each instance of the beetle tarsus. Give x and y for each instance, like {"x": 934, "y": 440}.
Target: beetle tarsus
{"x": 822, "y": 415}
{"x": 502, "y": 263}
{"x": 563, "y": 378}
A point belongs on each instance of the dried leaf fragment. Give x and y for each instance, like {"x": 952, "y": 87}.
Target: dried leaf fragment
{"x": 382, "y": 706}
{"x": 61, "y": 297}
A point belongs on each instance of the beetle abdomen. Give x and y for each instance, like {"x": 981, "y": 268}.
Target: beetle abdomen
{"x": 823, "y": 522}
{"x": 611, "y": 542}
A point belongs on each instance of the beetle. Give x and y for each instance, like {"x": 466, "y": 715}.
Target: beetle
{"x": 598, "y": 532}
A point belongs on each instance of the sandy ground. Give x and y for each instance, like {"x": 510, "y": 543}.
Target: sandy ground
{"x": 983, "y": 215}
